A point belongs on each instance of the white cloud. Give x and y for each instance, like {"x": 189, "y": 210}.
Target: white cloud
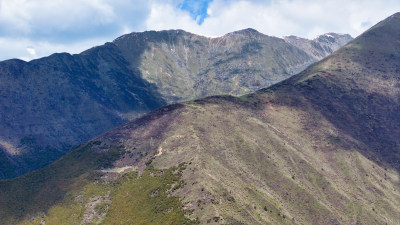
{"x": 75, "y": 25}
{"x": 17, "y": 48}
{"x": 305, "y": 18}
{"x": 31, "y": 51}
{"x": 166, "y": 16}
{"x": 63, "y": 21}
{"x": 65, "y": 26}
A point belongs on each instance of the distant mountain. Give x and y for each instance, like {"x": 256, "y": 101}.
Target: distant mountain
{"x": 54, "y": 103}
{"x": 322, "y": 45}
{"x": 321, "y": 147}
{"x": 186, "y": 66}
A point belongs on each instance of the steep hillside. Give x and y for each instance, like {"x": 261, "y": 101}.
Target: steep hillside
{"x": 318, "y": 148}
{"x": 51, "y": 104}
{"x": 358, "y": 90}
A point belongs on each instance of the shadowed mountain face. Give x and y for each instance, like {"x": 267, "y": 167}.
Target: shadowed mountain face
{"x": 54, "y": 103}
{"x": 51, "y": 104}
{"x": 318, "y": 148}
{"x": 358, "y": 90}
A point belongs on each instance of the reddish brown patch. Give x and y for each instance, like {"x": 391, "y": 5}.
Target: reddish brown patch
{"x": 269, "y": 104}
{"x": 323, "y": 75}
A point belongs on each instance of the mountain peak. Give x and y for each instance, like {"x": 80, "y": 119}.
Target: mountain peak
{"x": 247, "y": 31}
{"x": 396, "y": 15}
{"x": 151, "y": 33}
{"x": 320, "y": 46}
{"x": 392, "y": 21}
{"x": 332, "y": 35}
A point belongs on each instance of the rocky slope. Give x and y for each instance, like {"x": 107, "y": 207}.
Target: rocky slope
{"x": 319, "y": 148}
{"x": 321, "y": 46}
{"x": 51, "y": 104}
{"x": 237, "y": 63}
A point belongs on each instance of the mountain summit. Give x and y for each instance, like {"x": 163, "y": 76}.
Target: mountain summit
{"x": 319, "y": 148}
{"x": 51, "y": 104}
{"x": 322, "y": 45}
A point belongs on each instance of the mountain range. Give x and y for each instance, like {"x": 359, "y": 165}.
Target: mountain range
{"x": 321, "y": 147}
{"x": 52, "y": 104}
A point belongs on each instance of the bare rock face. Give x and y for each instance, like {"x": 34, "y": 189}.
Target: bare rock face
{"x": 51, "y": 104}
{"x": 320, "y": 46}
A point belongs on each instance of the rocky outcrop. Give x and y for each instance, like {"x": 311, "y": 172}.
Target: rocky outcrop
{"x": 320, "y": 46}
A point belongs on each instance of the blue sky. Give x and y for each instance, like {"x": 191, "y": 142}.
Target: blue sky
{"x": 196, "y": 8}
{"x": 35, "y": 28}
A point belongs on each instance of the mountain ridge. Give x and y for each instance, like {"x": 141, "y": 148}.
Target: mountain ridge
{"x": 319, "y": 46}
{"x": 54, "y": 103}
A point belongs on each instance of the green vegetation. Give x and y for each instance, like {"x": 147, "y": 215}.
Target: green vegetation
{"x": 147, "y": 199}
{"x": 75, "y": 194}
{"x": 47, "y": 186}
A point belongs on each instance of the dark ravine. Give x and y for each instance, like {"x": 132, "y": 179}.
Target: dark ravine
{"x": 321, "y": 147}
{"x": 51, "y": 104}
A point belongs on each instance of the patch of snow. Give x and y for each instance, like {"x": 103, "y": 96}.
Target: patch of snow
{"x": 118, "y": 170}
{"x": 328, "y": 35}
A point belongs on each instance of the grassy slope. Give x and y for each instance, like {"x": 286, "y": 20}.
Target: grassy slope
{"x": 244, "y": 166}
{"x": 71, "y": 191}
{"x": 46, "y": 187}
{"x": 321, "y": 147}
{"x": 358, "y": 89}
{"x": 292, "y": 162}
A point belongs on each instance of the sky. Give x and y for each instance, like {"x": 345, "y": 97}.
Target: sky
{"x": 31, "y": 29}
